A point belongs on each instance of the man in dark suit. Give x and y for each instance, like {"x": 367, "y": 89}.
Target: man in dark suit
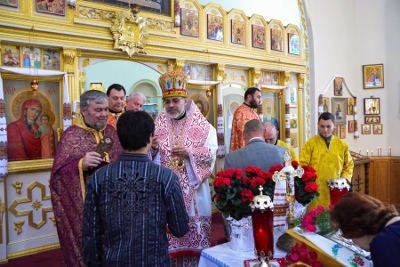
{"x": 256, "y": 152}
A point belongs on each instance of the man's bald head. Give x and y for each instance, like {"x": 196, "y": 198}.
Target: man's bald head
{"x": 270, "y": 133}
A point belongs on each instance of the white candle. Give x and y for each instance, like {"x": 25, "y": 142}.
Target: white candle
{"x": 367, "y": 152}
{"x": 390, "y": 151}
{"x": 359, "y": 151}
{"x": 372, "y": 153}
{"x": 378, "y": 150}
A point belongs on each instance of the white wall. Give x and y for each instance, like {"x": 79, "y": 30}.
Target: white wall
{"x": 346, "y": 35}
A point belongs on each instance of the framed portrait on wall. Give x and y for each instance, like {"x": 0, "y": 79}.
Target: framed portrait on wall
{"x": 215, "y": 28}
{"x": 350, "y": 106}
{"x": 10, "y": 55}
{"x": 293, "y": 121}
{"x": 10, "y": 3}
{"x": 238, "y": 32}
{"x": 258, "y": 36}
{"x": 196, "y": 72}
{"x": 339, "y": 110}
{"x": 151, "y": 109}
{"x": 293, "y": 44}
{"x": 40, "y": 110}
{"x": 372, "y": 119}
{"x": 326, "y": 104}
{"x": 52, "y": 8}
{"x": 293, "y": 97}
{"x": 366, "y": 128}
{"x": 293, "y": 140}
{"x": 230, "y": 103}
{"x": 208, "y": 73}
{"x": 31, "y": 57}
{"x": 350, "y": 126}
{"x": 160, "y": 7}
{"x": 271, "y": 108}
{"x": 377, "y": 128}
{"x": 276, "y": 40}
{"x": 266, "y": 78}
{"x": 201, "y": 102}
{"x": 342, "y": 133}
{"x": 51, "y": 59}
{"x": 372, "y": 106}
{"x": 338, "y": 87}
{"x": 373, "y": 76}
{"x": 189, "y": 22}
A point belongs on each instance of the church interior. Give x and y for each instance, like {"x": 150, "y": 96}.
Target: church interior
{"x": 306, "y": 57}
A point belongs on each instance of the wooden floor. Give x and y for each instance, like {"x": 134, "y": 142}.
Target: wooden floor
{"x": 53, "y": 258}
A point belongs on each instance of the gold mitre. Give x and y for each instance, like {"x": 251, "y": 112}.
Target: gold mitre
{"x": 173, "y": 84}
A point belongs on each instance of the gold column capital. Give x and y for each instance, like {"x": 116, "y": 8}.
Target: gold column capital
{"x": 300, "y": 80}
{"x": 254, "y": 76}
{"x": 220, "y": 71}
{"x": 69, "y": 59}
{"x": 179, "y": 64}
{"x": 285, "y": 78}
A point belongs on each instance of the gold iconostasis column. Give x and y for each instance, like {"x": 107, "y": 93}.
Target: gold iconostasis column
{"x": 300, "y": 90}
{"x": 71, "y": 67}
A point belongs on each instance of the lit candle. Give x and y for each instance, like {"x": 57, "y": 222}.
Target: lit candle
{"x": 367, "y": 152}
{"x": 390, "y": 151}
{"x": 372, "y": 153}
{"x": 378, "y": 150}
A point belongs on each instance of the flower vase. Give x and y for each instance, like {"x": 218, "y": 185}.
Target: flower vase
{"x": 239, "y": 233}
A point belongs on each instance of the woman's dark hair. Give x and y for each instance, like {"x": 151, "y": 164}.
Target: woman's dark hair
{"x": 357, "y": 215}
{"x": 134, "y": 129}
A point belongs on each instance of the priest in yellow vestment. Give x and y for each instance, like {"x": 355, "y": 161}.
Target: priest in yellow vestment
{"x": 243, "y": 114}
{"x": 330, "y": 157}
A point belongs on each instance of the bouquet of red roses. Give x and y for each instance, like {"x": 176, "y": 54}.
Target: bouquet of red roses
{"x": 235, "y": 191}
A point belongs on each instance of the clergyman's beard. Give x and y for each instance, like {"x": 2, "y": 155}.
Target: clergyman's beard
{"x": 253, "y": 103}
{"x": 177, "y": 115}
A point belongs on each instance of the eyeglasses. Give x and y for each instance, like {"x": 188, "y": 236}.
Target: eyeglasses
{"x": 173, "y": 100}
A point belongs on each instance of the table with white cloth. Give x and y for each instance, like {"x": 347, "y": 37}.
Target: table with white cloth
{"x": 223, "y": 255}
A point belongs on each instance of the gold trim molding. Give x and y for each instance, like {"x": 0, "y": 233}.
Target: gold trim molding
{"x": 129, "y": 31}
{"x": 31, "y": 251}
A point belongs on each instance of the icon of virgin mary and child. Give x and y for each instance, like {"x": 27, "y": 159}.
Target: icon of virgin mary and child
{"x": 26, "y": 139}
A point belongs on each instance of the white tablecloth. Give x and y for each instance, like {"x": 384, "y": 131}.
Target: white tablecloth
{"x": 224, "y": 256}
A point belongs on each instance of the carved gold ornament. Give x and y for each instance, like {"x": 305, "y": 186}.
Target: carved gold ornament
{"x": 18, "y": 186}
{"x": 18, "y": 226}
{"x": 129, "y": 31}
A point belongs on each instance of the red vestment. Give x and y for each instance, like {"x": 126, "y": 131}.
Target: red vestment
{"x": 67, "y": 184}
{"x": 242, "y": 115}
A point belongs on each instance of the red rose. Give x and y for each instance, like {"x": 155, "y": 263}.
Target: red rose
{"x": 308, "y": 169}
{"x": 238, "y": 173}
{"x": 256, "y": 182}
{"x": 252, "y": 169}
{"x": 311, "y": 228}
{"x": 275, "y": 168}
{"x": 247, "y": 195}
{"x": 266, "y": 175}
{"x": 219, "y": 182}
{"x": 246, "y": 180}
{"x": 311, "y": 187}
{"x": 295, "y": 164}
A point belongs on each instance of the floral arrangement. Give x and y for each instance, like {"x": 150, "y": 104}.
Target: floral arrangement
{"x": 305, "y": 187}
{"x": 234, "y": 192}
{"x": 315, "y": 221}
{"x": 299, "y": 253}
